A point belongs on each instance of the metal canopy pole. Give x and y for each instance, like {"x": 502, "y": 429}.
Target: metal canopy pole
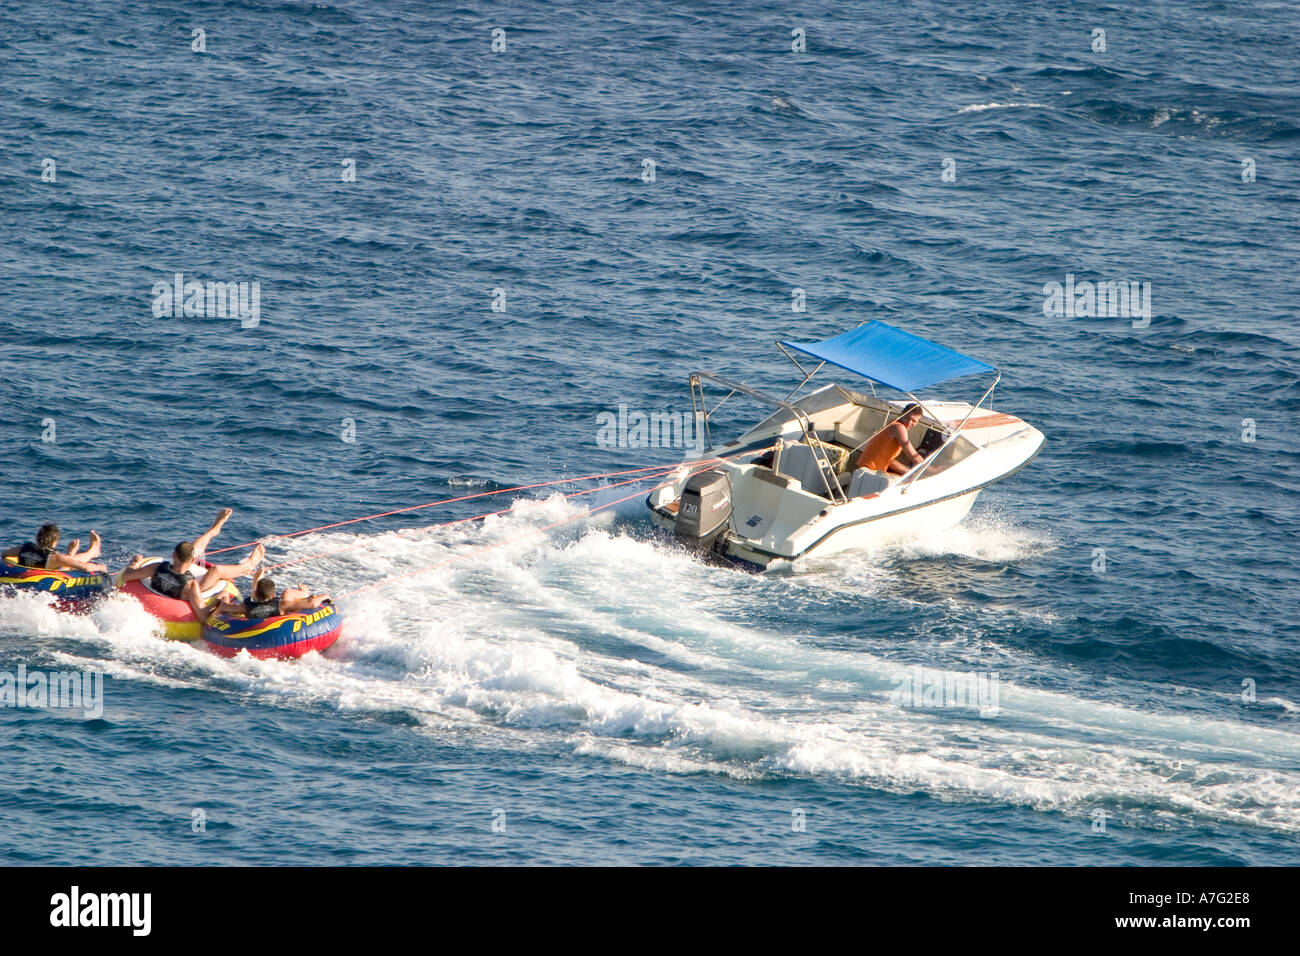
{"x": 801, "y": 417}
{"x": 807, "y": 375}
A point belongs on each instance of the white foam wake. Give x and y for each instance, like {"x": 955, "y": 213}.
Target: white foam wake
{"x": 981, "y": 107}
{"x": 611, "y": 643}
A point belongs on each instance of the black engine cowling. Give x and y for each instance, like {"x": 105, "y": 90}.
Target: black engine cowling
{"x": 704, "y": 509}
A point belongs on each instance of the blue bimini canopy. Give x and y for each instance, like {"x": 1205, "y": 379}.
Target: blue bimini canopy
{"x": 892, "y": 357}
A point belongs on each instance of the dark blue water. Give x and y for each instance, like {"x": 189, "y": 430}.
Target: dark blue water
{"x": 593, "y": 688}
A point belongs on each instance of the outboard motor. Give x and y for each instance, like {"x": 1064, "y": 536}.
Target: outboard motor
{"x": 704, "y": 509}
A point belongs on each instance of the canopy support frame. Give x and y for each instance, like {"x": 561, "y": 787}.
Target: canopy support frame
{"x": 807, "y": 375}
{"x": 834, "y": 492}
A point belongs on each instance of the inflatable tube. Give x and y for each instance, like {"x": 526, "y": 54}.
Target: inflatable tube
{"x": 69, "y": 587}
{"x": 178, "y": 620}
{"x": 282, "y": 637}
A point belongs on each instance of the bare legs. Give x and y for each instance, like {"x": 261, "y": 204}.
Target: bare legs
{"x": 229, "y": 572}
{"x": 77, "y": 559}
{"x": 90, "y": 553}
{"x": 202, "y": 541}
{"x": 214, "y": 574}
{"x": 293, "y": 600}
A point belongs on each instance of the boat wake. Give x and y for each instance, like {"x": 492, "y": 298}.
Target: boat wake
{"x": 608, "y": 641}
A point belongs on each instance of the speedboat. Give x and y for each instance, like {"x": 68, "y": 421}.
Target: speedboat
{"x": 789, "y": 489}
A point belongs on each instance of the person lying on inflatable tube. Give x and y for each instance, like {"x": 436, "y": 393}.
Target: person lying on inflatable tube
{"x": 263, "y": 601}
{"x": 40, "y": 554}
{"x": 187, "y": 576}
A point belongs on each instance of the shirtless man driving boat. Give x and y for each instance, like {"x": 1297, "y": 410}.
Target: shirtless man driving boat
{"x": 882, "y": 449}
{"x": 187, "y": 576}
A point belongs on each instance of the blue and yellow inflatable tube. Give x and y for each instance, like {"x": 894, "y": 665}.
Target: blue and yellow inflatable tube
{"x": 70, "y": 587}
{"x": 282, "y": 637}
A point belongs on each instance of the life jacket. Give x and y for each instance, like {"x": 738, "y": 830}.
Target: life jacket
{"x": 32, "y": 555}
{"x": 169, "y": 583}
{"x": 260, "y": 609}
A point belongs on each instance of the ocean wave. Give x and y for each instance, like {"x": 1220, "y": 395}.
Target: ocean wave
{"x": 984, "y": 107}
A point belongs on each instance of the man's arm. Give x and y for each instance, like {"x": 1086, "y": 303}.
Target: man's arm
{"x": 139, "y": 572}
{"x": 900, "y": 434}
{"x": 228, "y": 607}
{"x": 13, "y": 552}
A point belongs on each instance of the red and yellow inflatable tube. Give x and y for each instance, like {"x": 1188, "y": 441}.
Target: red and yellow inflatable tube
{"x": 178, "y": 620}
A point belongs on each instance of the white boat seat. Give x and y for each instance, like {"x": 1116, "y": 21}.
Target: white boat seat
{"x": 867, "y": 482}
{"x": 799, "y": 462}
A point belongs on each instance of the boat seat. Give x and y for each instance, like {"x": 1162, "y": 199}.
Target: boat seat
{"x": 867, "y": 482}
{"x": 799, "y": 462}
{"x": 848, "y": 437}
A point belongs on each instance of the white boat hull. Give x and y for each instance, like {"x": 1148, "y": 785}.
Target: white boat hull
{"x": 870, "y": 534}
